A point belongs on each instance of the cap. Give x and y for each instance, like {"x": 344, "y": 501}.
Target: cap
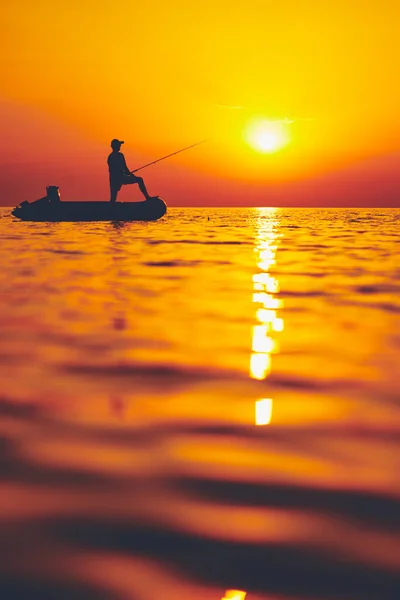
{"x": 115, "y": 141}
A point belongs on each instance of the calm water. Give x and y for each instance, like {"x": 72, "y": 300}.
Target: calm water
{"x": 202, "y": 404}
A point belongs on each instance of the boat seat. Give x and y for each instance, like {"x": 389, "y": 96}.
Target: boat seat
{"x": 53, "y": 193}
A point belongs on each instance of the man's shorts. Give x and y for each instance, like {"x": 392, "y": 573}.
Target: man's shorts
{"x": 116, "y": 184}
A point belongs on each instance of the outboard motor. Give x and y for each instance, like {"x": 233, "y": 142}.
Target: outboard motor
{"x": 53, "y": 194}
{"x": 38, "y": 209}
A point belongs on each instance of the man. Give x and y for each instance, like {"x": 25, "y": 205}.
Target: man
{"x": 120, "y": 174}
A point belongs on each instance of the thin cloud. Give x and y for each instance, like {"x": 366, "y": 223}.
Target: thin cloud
{"x": 228, "y": 107}
{"x": 285, "y": 120}
{"x": 289, "y": 120}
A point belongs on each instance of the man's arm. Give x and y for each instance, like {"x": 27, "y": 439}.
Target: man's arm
{"x": 126, "y": 170}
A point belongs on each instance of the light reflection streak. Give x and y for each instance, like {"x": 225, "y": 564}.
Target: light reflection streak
{"x": 263, "y": 411}
{"x": 261, "y": 341}
{"x": 265, "y": 287}
{"x": 260, "y": 365}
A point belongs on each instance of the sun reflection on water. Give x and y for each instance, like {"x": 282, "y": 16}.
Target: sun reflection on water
{"x": 265, "y": 288}
{"x": 263, "y": 412}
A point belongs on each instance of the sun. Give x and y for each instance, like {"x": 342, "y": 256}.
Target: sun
{"x": 266, "y": 136}
{"x": 267, "y": 141}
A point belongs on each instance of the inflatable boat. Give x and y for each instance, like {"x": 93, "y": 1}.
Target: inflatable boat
{"x": 51, "y": 208}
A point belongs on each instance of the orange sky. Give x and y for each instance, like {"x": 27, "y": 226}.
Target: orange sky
{"x": 163, "y": 75}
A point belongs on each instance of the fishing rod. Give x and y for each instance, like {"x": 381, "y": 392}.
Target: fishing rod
{"x": 168, "y": 155}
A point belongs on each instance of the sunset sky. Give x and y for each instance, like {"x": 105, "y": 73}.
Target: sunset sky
{"x": 163, "y": 75}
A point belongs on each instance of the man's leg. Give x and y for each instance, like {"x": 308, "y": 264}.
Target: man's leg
{"x": 133, "y": 179}
{"x": 114, "y": 189}
{"x": 143, "y": 188}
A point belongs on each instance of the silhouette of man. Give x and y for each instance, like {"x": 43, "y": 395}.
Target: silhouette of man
{"x": 120, "y": 174}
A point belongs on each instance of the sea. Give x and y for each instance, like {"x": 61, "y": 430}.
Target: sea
{"x": 204, "y": 407}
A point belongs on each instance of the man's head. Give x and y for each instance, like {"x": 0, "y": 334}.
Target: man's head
{"x": 116, "y": 144}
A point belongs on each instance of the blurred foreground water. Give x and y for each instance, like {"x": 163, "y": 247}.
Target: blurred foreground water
{"x": 206, "y": 403}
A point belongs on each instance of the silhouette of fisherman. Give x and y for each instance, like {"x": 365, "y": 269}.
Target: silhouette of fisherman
{"x": 120, "y": 174}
